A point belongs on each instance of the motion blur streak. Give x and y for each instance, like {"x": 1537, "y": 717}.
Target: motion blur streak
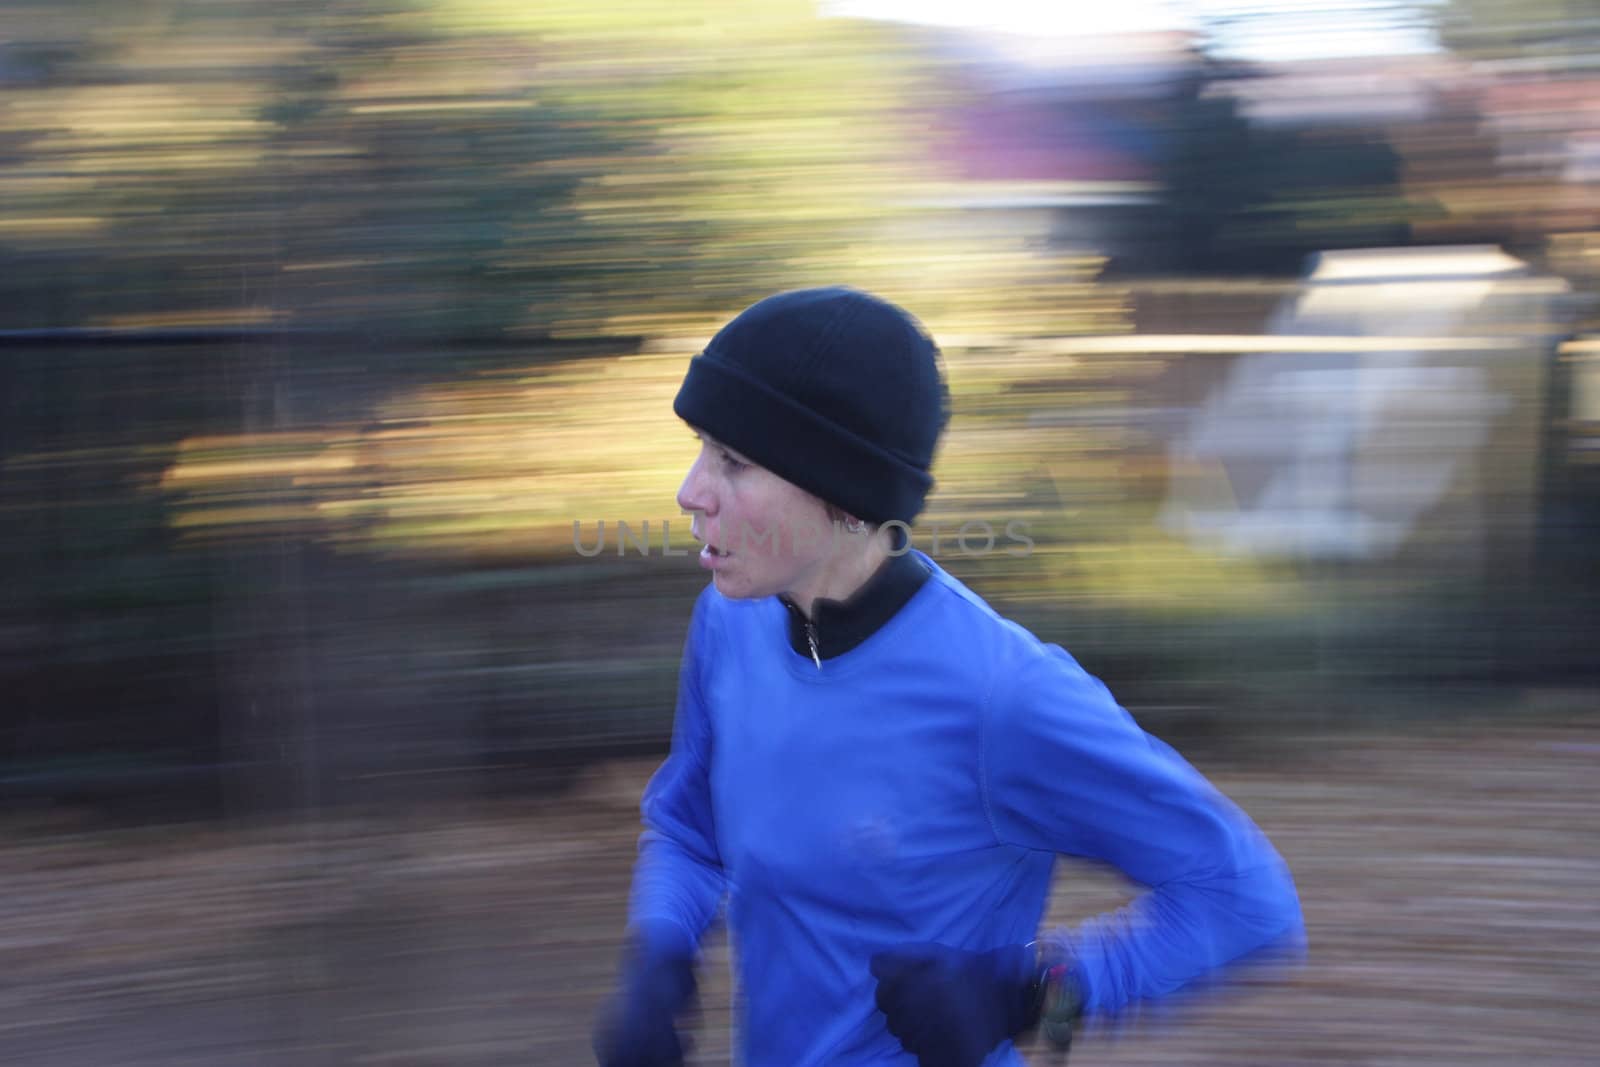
{"x": 322, "y": 322}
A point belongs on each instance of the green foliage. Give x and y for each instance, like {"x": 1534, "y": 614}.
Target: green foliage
{"x": 1549, "y": 35}
{"x": 459, "y": 166}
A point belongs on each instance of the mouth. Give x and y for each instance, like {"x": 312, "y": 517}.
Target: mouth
{"x": 711, "y": 555}
{"x": 709, "y": 550}
{"x": 713, "y": 558}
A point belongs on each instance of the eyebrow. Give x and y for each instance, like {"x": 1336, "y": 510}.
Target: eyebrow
{"x": 713, "y": 442}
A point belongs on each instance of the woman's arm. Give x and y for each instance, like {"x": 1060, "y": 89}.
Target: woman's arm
{"x": 1067, "y": 770}
{"x": 678, "y": 885}
{"x": 678, "y": 881}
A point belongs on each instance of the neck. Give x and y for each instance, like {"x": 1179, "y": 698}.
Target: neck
{"x": 841, "y": 575}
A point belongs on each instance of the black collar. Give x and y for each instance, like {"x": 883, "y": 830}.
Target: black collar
{"x": 837, "y": 626}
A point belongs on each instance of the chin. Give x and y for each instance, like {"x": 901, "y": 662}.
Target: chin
{"x": 735, "y": 588}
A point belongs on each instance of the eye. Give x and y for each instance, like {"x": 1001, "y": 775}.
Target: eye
{"x": 732, "y": 463}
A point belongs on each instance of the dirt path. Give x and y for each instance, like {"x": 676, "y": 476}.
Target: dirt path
{"x": 1449, "y": 885}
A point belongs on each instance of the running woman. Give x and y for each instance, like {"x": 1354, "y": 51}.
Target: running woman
{"x": 873, "y": 772}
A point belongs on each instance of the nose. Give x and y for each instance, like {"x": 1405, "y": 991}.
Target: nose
{"x": 695, "y": 495}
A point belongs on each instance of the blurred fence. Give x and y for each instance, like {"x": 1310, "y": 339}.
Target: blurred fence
{"x": 258, "y": 569}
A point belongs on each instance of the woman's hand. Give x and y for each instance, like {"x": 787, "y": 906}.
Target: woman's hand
{"x": 950, "y": 1007}
{"x": 638, "y": 1027}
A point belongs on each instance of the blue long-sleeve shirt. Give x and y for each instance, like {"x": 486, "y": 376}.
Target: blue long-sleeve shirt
{"x": 919, "y": 787}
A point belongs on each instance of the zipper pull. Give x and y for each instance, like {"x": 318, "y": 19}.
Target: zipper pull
{"x": 811, "y": 639}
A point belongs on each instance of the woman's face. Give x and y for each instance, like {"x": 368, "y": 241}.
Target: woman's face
{"x": 763, "y": 535}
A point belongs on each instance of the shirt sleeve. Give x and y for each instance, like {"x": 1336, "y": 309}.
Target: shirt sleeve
{"x": 678, "y": 880}
{"x": 1066, "y": 769}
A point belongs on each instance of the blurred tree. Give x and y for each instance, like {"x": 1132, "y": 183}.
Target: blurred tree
{"x": 781, "y": 149}
{"x": 1211, "y": 169}
{"x": 471, "y": 167}
{"x": 317, "y": 164}
{"x": 1245, "y": 196}
{"x": 425, "y": 171}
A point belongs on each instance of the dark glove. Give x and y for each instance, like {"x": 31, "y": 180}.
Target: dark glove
{"x": 950, "y": 1007}
{"x": 638, "y": 1027}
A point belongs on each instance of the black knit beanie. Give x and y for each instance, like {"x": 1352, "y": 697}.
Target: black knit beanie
{"x": 831, "y": 389}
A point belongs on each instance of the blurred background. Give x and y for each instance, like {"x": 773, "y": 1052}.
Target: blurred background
{"x": 332, "y": 332}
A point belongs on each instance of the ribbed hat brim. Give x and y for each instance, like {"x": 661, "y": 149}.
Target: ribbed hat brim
{"x": 798, "y": 444}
